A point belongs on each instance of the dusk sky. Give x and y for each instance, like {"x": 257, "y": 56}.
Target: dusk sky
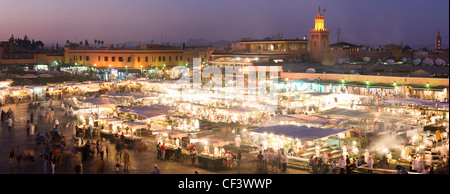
{"x": 368, "y": 22}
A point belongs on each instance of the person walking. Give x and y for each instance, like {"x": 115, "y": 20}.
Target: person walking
{"x": 239, "y": 156}
{"x": 284, "y": 160}
{"x": 260, "y": 160}
{"x": 118, "y": 160}
{"x": 53, "y": 162}
{"x": 228, "y": 157}
{"x": 156, "y": 170}
{"x": 107, "y": 147}
{"x": 158, "y": 148}
{"x": 126, "y": 160}
{"x": 193, "y": 155}
{"x": 370, "y": 165}
{"x": 9, "y": 121}
{"x": 163, "y": 151}
{"x": 12, "y": 156}
{"x": 102, "y": 150}
{"x": 46, "y": 158}
{"x": 341, "y": 164}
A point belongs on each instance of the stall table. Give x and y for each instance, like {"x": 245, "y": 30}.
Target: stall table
{"x": 211, "y": 163}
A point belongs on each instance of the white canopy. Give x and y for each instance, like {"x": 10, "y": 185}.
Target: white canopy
{"x": 299, "y": 132}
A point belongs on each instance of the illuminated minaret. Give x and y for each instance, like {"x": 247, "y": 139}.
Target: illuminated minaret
{"x": 438, "y": 41}
{"x": 318, "y": 38}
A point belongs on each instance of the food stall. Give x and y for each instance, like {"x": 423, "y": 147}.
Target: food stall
{"x": 109, "y": 126}
{"x": 132, "y": 130}
{"x": 172, "y": 139}
{"x": 146, "y": 114}
{"x": 100, "y": 106}
{"x": 300, "y": 142}
{"x": 211, "y": 160}
{"x": 133, "y": 99}
{"x": 301, "y": 119}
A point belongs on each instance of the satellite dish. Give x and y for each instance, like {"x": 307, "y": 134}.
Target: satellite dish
{"x": 439, "y": 61}
{"x": 428, "y": 61}
{"x": 390, "y": 62}
{"x": 310, "y": 70}
{"x": 416, "y": 61}
{"x": 379, "y": 61}
{"x": 366, "y": 59}
{"x": 404, "y": 60}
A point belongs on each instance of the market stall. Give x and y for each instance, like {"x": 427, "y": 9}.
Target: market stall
{"x": 154, "y": 115}
{"x": 211, "y": 152}
{"x": 133, "y": 99}
{"x": 100, "y": 106}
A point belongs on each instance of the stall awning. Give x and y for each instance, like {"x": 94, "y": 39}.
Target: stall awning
{"x": 298, "y": 118}
{"x": 110, "y": 120}
{"x": 299, "y": 132}
{"x": 213, "y": 141}
{"x": 98, "y": 101}
{"x": 148, "y": 111}
{"x": 172, "y": 133}
{"x": 410, "y": 101}
{"x": 135, "y": 125}
{"x": 130, "y": 95}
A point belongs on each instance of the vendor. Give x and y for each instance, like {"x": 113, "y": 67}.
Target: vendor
{"x": 216, "y": 151}
{"x": 205, "y": 150}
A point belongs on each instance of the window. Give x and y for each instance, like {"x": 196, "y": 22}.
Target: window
{"x": 113, "y": 58}
{"x": 181, "y": 58}
{"x": 146, "y": 59}
{"x": 176, "y": 58}
{"x": 106, "y": 58}
{"x": 153, "y": 59}
{"x": 164, "y": 58}
{"x": 81, "y": 58}
{"x": 139, "y": 59}
{"x": 129, "y": 59}
{"x": 120, "y": 59}
{"x": 159, "y": 58}
{"x": 74, "y": 57}
{"x": 170, "y": 58}
{"x": 87, "y": 58}
{"x": 98, "y": 58}
{"x": 187, "y": 59}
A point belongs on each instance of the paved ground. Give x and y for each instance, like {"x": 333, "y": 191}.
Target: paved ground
{"x": 141, "y": 163}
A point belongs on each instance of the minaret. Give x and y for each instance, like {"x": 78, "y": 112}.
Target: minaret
{"x": 438, "y": 41}
{"x": 318, "y": 38}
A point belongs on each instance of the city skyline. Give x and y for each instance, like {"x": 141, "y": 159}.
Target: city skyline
{"x": 408, "y": 22}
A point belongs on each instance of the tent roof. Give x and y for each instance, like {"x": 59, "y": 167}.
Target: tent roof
{"x": 98, "y": 101}
{"x": 300, "y": 132}
{"x": 410, "y": 101}
{"x": 134, "y": 95}
{"x": 148, "y": 111}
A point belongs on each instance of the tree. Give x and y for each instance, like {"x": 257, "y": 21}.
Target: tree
{"x": 86, "y": 42}
{"x": 81, "y": 43}
{"x": 95, "y": 42}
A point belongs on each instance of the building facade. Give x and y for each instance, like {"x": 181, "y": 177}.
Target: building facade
{"x": 147, "y": 56}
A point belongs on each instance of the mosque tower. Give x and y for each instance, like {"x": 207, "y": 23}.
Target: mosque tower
{"x": 438, "y": 41}
{"x": 318, "y": 38}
